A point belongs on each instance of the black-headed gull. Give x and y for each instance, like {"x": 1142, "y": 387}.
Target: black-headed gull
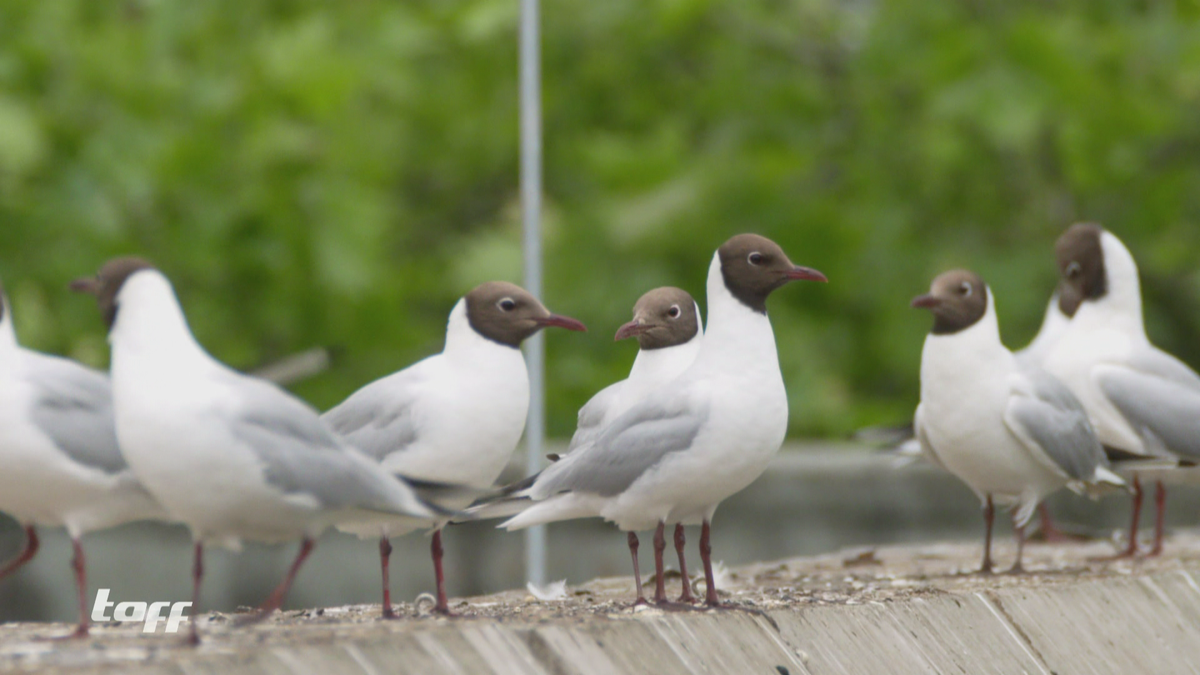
{"x": 62, "y": 465}
{"x": 1143, "y": 402}
{"x": 907, "y": 448}
{"x": 453, "y": 419}
{"x": 673, "y": 456}
{"x": 666, "y": 323}
{"x": 231, "y": 456}
{"x": 1005, "y": 427}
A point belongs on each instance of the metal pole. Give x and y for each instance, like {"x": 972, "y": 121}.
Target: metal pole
{"x": 531, "y": 206}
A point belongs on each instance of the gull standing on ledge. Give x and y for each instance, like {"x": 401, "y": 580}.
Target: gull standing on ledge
{"x": 1054, "y": 324}
{"x": 666, "y": 323}
{"x": 61, "y": 463}
{"x": 1143, "y": 402}
{"x": 231, "y": 456}
{"x": 673, "y": 456}
{"x": 451, "y": 420}
{"x": 1008, "y": 429}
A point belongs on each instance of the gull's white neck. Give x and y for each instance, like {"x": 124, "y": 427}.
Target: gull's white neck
{"x": 653, "y": 367}
{"x": 1120, "y": 308}
{"x": 1053, "y": 326}
{"x": 970, "y": 354}
{"x": 735, "y": 332}
{"x": 8, "y": 335}
{"x": 151, "y": 324}
{"x": 9, "y": 349}
{"x": 466, "y": 348}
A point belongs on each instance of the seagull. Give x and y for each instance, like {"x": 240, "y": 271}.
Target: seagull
{"x": 231, "y": 456}
{"x": 1006, "y": 428}
{"x": 1143, "y": 402}
{"x": 62, "y": 464}
{"x": 666, "y": 324}
{"x": 453, "y": 419}
{"x": 906, "y": 446}
{"x": 674, "y": 455}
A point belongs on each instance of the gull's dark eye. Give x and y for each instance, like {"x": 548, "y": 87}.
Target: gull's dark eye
{"x": 506, "y": 305}
{"x": 756, "y": 258}
{"x": 965, "y": 289}
{"x": 673, "y": 312}
{"x": 1073, "y": 270}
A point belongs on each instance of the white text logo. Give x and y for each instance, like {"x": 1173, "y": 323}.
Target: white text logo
{"x": 150, "y": 613}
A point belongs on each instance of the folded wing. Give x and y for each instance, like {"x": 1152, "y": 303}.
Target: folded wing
{"x": 301, "y": 455}
{"x": 73, "y": 407}
{"x": 631, "y": 445}
{"x": 1052, "y": 424}
{"x": 1160, "y": 398}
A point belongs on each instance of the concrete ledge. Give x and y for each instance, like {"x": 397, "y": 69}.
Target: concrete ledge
{"x": 895, "y": 611}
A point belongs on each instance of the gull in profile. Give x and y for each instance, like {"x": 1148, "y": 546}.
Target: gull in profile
{"x": 231, "y": 456}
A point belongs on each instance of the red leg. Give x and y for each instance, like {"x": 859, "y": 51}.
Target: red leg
{"x": 711, "y": 599}
{"x": 26, "y": 554}
{"x": 710, "y": 590}
{"x": 197, "y": 574}
{"x": 1050, "y": 532}
{"x": 686, "y": 596}
{"x": 1019, "y": 532}
{"x": 660, "y": 584}
{"x": 275, "y": 600}
{"x": 435, "y": 548}
{"x": 1160, "y": 510}
{"x": 637, "y": 574}
{"x": 989, "y": 517}
{"x": 385, "y": 553}
{"x": 1131, "y": 550}
{"x": 78, "y": 563}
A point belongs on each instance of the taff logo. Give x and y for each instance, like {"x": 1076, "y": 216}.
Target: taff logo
{"x": 150, "y": 613}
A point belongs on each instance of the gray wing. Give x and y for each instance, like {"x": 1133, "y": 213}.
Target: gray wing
{"x": 1053, "y": 425}
{"x": 377, "y": 419}
{"x": 1160, "y": 397}
{"x": 592, "y": 417}
{"x": 301, "y": 455}
{"x": 632, "y": 444}
{"x": 73, "y": 407}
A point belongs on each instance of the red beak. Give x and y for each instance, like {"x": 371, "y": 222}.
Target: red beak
{"x": 85, "y": 285}
{"x": 925, "y": 302}
{"x": 804, "y": 274}
{"x": 561, "y": 322}
{"x": 631, "y": 329}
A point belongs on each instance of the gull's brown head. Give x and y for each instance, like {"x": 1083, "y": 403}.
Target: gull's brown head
{"x": 958, "y": 300}
{"x": 1081, "y": 270}
{"x": 508, "y": 314}
{"x": 754, "y": 266}
{"x": 107, "y": 284}
{"x": 663, "y": 317}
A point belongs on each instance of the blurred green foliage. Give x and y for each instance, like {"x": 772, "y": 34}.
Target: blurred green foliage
{"x": 337, "y": 173}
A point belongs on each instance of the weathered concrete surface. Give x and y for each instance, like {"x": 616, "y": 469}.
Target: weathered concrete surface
{"x": 894, "y": 610}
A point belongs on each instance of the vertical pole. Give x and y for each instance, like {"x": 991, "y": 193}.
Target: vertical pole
{"x": 531, "y": 207}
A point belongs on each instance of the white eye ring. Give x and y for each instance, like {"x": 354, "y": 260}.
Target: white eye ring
{"x": 755, "y": 258}
{"x": 673, "y": 312}
{"x": 1073, "y": 270}
{"x": 506, "y": 304}
{"x": 966, "y": 289}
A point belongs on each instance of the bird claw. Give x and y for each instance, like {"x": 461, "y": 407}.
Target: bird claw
{"x": 1131, "y": 552}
